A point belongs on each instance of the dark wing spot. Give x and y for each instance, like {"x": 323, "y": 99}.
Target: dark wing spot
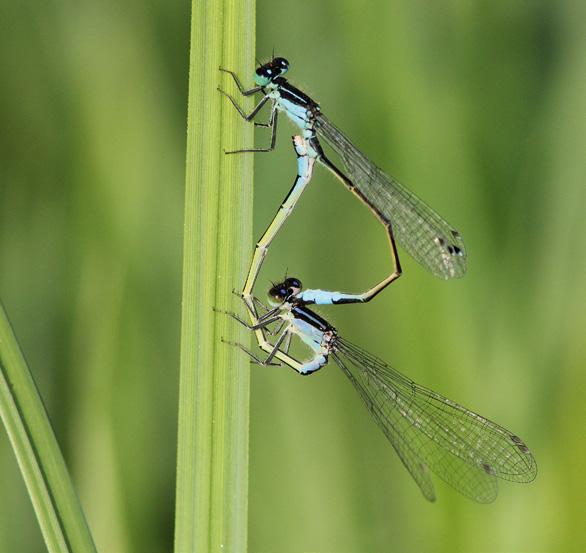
{"x": 487, "y": 468}
{"x": 440, "y": 241}
{"x": 454, "y": 250}
{"x": 455, "y": 234}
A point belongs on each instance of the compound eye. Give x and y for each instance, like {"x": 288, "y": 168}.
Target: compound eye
{"x": 293, "y": 282}
{"x": 263, "y": 75}
{"x": 293, "y": 286}
{"x": 281, "y": 64}
{"x": 278, "y": 293}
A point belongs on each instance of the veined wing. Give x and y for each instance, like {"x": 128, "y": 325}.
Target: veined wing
{"x": 429, "y": 239}
{"x": 429, "y": 431}
{"x": 403, "y": 447}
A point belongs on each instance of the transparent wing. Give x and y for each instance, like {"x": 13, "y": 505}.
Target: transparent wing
{"x": 403, "y": 448}
{"x": 429, "y": 431}
{"x": 429, "y": 239}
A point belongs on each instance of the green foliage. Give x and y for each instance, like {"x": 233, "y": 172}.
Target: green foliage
{"x": 212, "y": 459}
{"x": 480, "y": 108}
{"x": 56, "y": 505}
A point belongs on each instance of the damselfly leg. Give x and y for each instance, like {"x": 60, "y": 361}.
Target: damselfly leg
{"x": 273, "y": 118}
{"x": 280, "y": 349}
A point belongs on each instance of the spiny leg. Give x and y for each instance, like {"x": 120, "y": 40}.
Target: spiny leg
{"x": 268, "y": 314}
{"x": 261, "y": 324}
{"x": 241, "y": 88}
{"x": 273, "y": 352}
{"x": 287, "y": 345}
{"x": 255, "y": 358}
{"x": 245, "y": 92}
{"x": 272, "y": 124}
{"x": 277, "y": 346}
{"x": 256, "y": 301}
{"x": 280, "y": 349}
{"x": 241, "y": 112}
{"x": 260, "y": 304}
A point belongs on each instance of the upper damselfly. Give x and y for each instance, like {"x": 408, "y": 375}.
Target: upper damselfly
{"x": 428, "y": 431}
{"x": 420, "y": 230}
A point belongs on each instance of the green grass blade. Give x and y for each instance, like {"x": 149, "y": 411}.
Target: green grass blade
{"x": 212, "y": 459}
{"x": 56, "y": 505}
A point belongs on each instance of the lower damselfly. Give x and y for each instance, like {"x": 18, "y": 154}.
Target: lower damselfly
{"x": 429, "y": 432}
{"x": 419, "y": 229}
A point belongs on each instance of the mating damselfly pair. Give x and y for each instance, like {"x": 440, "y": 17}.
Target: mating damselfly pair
{"x": 428, "y": 431}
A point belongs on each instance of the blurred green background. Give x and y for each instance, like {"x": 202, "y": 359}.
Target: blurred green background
{"x": 478, "y": 107}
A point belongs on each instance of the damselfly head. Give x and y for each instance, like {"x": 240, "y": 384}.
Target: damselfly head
{"x": 269, "y": 71}
{"x": 285, "y": 290}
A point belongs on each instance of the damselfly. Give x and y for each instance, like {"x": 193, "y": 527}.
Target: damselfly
{"x": 428, "y": 431}
{"x": 420, "y": 230}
